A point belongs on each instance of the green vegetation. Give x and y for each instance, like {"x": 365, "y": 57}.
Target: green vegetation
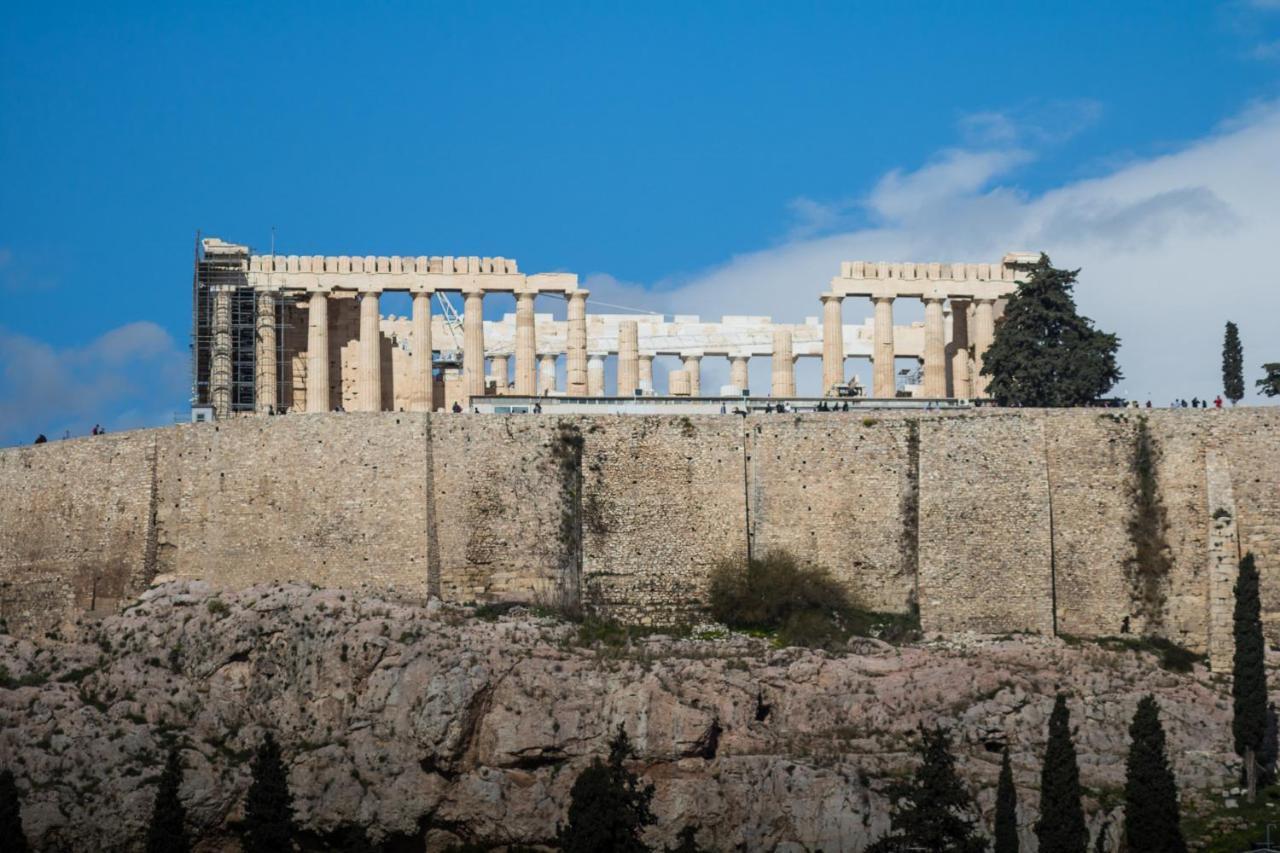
{"x": 1269, "y": 384}
{"x": 1233, "y": 825}
{"x": 801, "y": 605}
{"x": 167, "y": 832}
{"x": 1232, "y": 365}
{"x": 1151, "y": 821}
{"x": 1006, "y": 809}
{"x": 11, "y": 815}
{"x": 1151, "y": 563}
{"x": 268, "y": 808}
{"x": 1169, "y": 654}
{"x": 608, "y": 807}
{"x": 1248, "y": 670}
{"x": 1061, "y": 827}
{"x": 217, "y": 607}
{"x": 932, "y": 810}
{"x": 1044, "y": 352}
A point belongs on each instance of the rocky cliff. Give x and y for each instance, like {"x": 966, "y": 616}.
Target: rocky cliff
{"x": 430, "y": 725}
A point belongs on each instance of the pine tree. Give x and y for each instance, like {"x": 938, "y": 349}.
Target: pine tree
{"x": 1269, "y": 384}
{"x": 1248, "y": 675}
{"x": 268, "y": 809}
{"x": 11, "y": 815}
{"x": 1232, "y": 365}
{"x": 932, "y": 811}
{"x": 167, "y": 833}
{"x": 1044, "y": 352}
{"x": 1151, "y": 819}
{"x": 608, "y": 807}
{"x": 1061, "y": 827}
{"x": 1006, "y": 809}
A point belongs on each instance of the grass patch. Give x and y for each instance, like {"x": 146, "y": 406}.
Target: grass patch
{"x": 1173, "y": 657}
{"x": 1225, "y": 829}
{"x": 799, "y": 605}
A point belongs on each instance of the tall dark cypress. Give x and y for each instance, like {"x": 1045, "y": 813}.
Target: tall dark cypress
{"x": 1006, "y": 809}
{"x": 1232, "y": 365}
{"x": 1061, "y": 827}
{"x": 1248, "y": 676}
{"x": 268, "y": 808}
{"x": 167, "y": 833}
{"x": 1151, "y": 818}
{"x": 11, "y": 815}
{"x": 608, "y": 807}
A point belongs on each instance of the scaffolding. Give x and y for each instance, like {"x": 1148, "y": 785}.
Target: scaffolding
{"x": 225, "y": 326}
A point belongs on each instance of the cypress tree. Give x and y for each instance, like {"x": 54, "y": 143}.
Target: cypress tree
{"x": 1044, "y": 352}
{"x": 608, "y": 807}
{"x": 932, "y": 811}
{"x": 167, "y": 833}
{"x": 1248, "y": 675}
{"x": 1269, "y": 384}
{"x": 268, "y": 809}
{"x": 11, "y": 815}
{"x": 1151, "y": 819}
{"x": 1061, "y": 827}
{"x": 1006, "y": 809}
{"x": 1232, "y": 365}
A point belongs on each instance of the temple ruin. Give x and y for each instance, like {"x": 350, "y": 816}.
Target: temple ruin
{"x": 275, "y": 333}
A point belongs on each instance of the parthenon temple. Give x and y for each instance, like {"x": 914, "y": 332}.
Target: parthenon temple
{"x": 276, "y": 333}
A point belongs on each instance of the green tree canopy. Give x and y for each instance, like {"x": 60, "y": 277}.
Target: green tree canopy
{"x": 167, "y": 833}
{"x": 1061, "y": 827}
{"x": 1006, "y": 809}
{"x": 1248, "y": 675}
{"x": 1232, "y": 365}
{"x": 11, "y": 815}
{"x": 268, "y": 809}
{"x": 1151, "y": 819}
{"x": 608, "y": 807}
{"x": 1044, "y": 352}
{"x": 1269, "y": 384}
{"x": 932, "y": 811}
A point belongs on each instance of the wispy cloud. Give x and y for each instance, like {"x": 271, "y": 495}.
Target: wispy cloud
{"x": 133, "y": 375}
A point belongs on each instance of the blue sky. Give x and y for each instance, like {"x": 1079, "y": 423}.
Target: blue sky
{"x": 671, "y": 154}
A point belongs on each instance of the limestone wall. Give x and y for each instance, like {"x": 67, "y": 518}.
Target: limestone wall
{"x": 995, "y": 520}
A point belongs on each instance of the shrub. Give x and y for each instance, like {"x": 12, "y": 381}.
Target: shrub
{"x": 804, "y": 605}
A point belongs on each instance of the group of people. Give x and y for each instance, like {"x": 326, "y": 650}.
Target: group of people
{"x": 1196, "y": 403}
{"x": 97, "y": 430}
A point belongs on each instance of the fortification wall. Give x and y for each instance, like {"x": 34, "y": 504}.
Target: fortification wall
{"x": 994, "y": 520}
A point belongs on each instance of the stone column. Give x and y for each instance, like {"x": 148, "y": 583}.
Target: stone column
{"x": 264, "y": 380}
{"x": 693, "y": 367}
{"x": 421, "y": 385}
{"x": 784, "y": 364}
{"x": 500, "y": 368}
{"x": 595, "y": 376}
{"x": 832, "y": 343}
{"x": 935, "y": 349}
{"x": 318, "y": 353}
{"x": 678, "y": 383}
{"x": 369, "y": 375}
{"x": 961, "y": 388}
{"x": 473, "y": 344}
{"x": 628, "y": 358}
{"x": 546, "y": 373}
{"x": 883, "y": 381}
{"x": 984, "y": 332}
{"x": 646, "y": 372}
{"x": 738, "y": 374}
{"x": 526, "y": 346}
{"x": 576, "y": 348}
{"x": 220, "y": 355}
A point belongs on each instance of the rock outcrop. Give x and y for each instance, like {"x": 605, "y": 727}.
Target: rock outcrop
{"x": 430, "y": 725}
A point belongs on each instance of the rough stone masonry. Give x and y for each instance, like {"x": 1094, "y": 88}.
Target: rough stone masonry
{"x": 994, "y": 521}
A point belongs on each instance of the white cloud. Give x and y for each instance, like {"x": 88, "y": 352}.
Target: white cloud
{"x": 133, "y": 375}
{"x": 1171, "y": 248}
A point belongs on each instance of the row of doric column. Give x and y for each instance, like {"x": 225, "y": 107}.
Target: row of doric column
{"x": 965, "y": 366}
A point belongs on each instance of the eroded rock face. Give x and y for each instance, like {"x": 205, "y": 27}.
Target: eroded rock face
{"x": 428, "y": 723}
